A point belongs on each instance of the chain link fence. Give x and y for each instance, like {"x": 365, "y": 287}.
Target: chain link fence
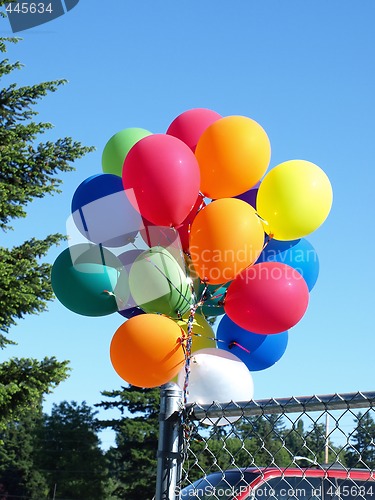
{"x": 320, "y": 447}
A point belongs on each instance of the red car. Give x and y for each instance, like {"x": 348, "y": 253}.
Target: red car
{"x": 272, "y": 483}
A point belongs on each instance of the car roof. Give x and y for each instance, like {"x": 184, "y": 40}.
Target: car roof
{"x": 262, "y": 474}
{"x": 319, "y": 471}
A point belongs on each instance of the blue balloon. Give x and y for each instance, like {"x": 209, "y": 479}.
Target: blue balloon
{"x": 299, "y": 254}
{"x": 258, "y": 352}
{"x": 103, "y": 213}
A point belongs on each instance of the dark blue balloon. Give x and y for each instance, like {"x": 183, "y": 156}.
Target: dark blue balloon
{"x": 131, "y": 312}
{"x": 258, "y": 352}
{"x": 103, "y": 213}
{"x": 96, "y": 187}
{"x": 250, "y": 196}
{"x": 299, "y": 254}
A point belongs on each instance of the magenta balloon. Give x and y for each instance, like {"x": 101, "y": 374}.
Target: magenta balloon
{"x": 267, "y": 298}
{"x": 191, "y": 124}
{"x": 161, "y": 177}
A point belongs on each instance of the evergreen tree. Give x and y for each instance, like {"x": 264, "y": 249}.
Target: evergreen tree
{"x": 19, "y": 473}
{"x": 294, "y": 439}
{"x": 29, "y": 169}
{"x": 70, "y": 455}
{"x": 263, "y": 435}
{"x": 361, "y": 452}
{"x": 134, "y": 461}
{"x": 23, "y": 382}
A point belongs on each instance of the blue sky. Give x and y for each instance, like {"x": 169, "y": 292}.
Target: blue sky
{"x": 305, "y": 70}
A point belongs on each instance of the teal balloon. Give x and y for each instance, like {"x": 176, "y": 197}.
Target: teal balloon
{"x": 158, "y": 283}
{"x": 118, "y": 147}
{"x": 213, "y": 297}
{"x": 90, "y": 281}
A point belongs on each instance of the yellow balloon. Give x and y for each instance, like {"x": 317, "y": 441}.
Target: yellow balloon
{"x": 294, "y": 199}
{"x": 202, "y": 333}
{"x": 233, "y": 154}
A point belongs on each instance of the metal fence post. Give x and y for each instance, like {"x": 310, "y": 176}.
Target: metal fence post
{"x": 169, "y": 459}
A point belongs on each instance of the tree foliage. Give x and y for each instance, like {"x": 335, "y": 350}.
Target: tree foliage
{"x": 30, "y": 169}
{"x": 59, "y": 454}
{"x": 361, "y": 452}
{"x": 54, "y": 456}
{"x": 24, "y": 381}
{"x": 20, "y": 476}
{"x": 72, "y": 459}
{"x": 133, "y": 460}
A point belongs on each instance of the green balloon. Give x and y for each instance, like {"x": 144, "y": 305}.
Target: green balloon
{"x": 89, "y": 281}
{"x": 158, "y": 284}
{"x": 118, "y": 147}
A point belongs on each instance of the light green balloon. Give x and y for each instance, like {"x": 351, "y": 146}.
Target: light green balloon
{"x": 89, "y": 282}
{"x": 118, "y": 147}
{"x": 158, "y": 284}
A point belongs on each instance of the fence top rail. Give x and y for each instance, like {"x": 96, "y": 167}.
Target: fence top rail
{"x": 282, "y": 405}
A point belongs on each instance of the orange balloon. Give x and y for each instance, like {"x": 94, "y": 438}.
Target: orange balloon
{"x": 226, "y": 237}
{"x": 233, "y": 154}
{"x": 146, "y": 350}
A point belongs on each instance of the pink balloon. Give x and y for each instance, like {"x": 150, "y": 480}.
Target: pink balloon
{"x": 161, "y": 177}
{"x": 191, "y": 124}
{"x": 269, "y": 297}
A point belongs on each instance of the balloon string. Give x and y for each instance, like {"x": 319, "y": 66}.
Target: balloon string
{"x": 233, "y": 343}
{"x": 202, "y": 299}
{"x": 195, "y": 334}
{"x": 261, "y": 218}
{"x": 217, "y": 296}
{"x": 188, "y": 352}
{"x": 230, "y": 345}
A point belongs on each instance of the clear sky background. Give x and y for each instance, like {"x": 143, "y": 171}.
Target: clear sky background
{"x": 303, "y": 69}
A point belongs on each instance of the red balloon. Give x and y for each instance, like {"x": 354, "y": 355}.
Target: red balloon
{"x": 269, "y": 297}
{"x": 158, "y": 236}
{"x": 191, "y": 124}
{"x": 184, "y": 228}
{"x": 177, "y": 236}
{"x": 161, "y": 177}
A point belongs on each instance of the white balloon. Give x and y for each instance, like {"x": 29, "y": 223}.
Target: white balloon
{"x": 217, "y": 376}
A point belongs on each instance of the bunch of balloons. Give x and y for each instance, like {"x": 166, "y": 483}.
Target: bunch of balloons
{"x": 185, "y": 225}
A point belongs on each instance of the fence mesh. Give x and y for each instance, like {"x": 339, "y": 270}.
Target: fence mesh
{"x": 228, "y": 447}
